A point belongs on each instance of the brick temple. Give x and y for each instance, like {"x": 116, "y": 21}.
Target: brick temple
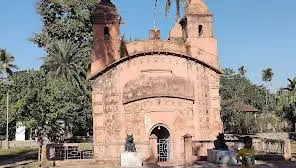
{"x": 163, "y": 92}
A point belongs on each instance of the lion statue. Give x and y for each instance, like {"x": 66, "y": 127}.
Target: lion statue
{"x": 129, "y": 144}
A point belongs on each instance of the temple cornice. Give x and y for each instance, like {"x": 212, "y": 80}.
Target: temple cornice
{"x": 166, "y": 47}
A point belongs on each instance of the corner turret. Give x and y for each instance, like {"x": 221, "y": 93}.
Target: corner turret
{"x": 106, "y": 28}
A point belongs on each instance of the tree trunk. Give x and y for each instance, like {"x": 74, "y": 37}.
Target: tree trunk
{"x": 40, "y": 141}
{"x": 7, "y": 122}
{"x": 266, "y": 100}
{"x": 178, "y": 15}
{"x": 30, "y": 134}
{"x": 154, "y": 19}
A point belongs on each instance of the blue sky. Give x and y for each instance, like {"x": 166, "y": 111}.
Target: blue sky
{"x": 254, "y": 33}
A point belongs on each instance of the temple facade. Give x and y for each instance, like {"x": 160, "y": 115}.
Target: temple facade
{"x": 163, "y": 92}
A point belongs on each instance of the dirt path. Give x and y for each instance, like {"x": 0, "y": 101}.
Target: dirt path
{"x": 259, "y": 164}
{"x": 14, "y": 163}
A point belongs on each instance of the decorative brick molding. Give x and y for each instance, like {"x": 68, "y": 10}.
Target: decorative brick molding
{"x": 161, "y": 86}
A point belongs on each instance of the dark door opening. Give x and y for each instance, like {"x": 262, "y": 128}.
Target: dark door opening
{"x": 163, "y": 143}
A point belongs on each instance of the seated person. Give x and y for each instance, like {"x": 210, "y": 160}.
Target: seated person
{"x": 247, "y": 154}
{"x": 220, "y": 143}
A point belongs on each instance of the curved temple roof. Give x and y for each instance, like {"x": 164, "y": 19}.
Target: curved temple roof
{"x": 197, "y": 7}
{"x": 150, "y": 47}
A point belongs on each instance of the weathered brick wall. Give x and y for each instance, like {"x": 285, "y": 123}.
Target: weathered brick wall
{"x": 200, "y": 147}
{"x": 113, "y": 119}
{"x": 279, "y": 135}
{"x": 174, "y": 113}
{"x": 170, "y": 82}
{"x": 203, "y": 50}
{"x": 156, "y": 45}
{"x": 19, "y": 144}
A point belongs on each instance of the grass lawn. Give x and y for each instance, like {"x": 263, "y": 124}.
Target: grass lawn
{"x": 16, "y": 151}
{"x": 293, "y": 146}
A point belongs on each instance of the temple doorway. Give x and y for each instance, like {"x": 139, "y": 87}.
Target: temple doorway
{"x": 163, "y": 142}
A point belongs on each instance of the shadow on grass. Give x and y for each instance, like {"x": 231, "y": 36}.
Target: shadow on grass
{"x": 8, "y": 156}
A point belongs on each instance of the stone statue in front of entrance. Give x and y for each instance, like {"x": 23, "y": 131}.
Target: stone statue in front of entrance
{"x": 130, "y": 157}
{"x": 129, "y": 144}
{"x": 221, "y": 154}
{"x": 220, "y": 143}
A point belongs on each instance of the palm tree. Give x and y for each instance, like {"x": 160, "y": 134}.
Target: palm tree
{"x": 178, "y": 4}
{"x": 68, "y": 61}
{"x": 6, "y": 63}
{"x": 267, "y": 75}
{"x": 168, "y": 6}
{"x": 292, "y": 84}
{"x": 6, "y": 69}
{"x": 291, "y": 88}
{"x": 242, "y": 70}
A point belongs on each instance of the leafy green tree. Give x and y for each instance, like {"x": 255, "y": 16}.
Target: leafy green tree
{"x": 18, "y": 93}
{"x": 44, "y": 103}
{"x": 286, "y": 102}
{"x": 66, "y": 36}
{"x": 65, "y": 20}
{"x": 237, "y": 88}
{"x": 271, "y": 123}
{"x": 238, "y": 122}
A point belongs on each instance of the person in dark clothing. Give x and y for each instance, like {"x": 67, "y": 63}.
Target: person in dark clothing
{"x": 220, "y": 143}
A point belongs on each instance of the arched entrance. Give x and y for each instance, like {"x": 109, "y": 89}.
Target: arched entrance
{"x": 163, "y": 142}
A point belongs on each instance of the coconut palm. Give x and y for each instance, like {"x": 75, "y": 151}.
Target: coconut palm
{"x": 6, "y": 69}
{"x": 292, "y": 85}
{"x": 242, "y": 70}
{"x": 6, "y": 63}
{"x": 287, "y": 95}
{"x": 267, "y": 75}
{"x": 291, "y": 88}
{"x": 66, "y": 60}
{"x": 169, "y": 5}
{"x": 178, "y": 4}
